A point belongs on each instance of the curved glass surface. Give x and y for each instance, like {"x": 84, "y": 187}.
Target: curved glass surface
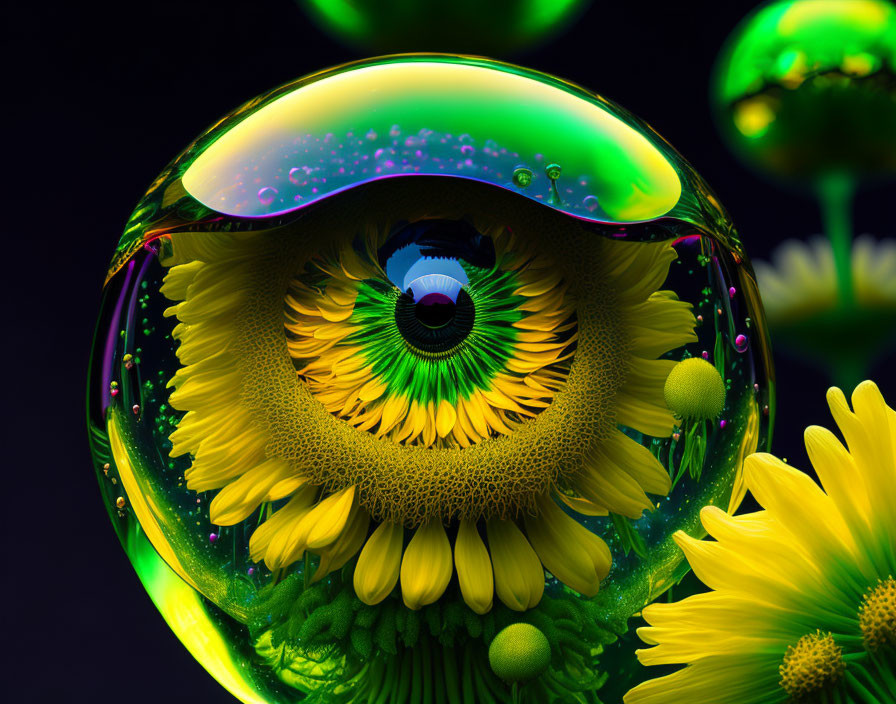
{"x": 441, "y": 116}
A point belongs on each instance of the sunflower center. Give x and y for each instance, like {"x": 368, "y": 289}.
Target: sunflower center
{"x": 814, "y": 664}
{"x": 432, "y": 333}
{"x": 877, "y": 615}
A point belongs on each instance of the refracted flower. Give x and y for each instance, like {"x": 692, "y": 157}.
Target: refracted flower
{"x": 803, "y": 600}
{"x": 803, "y": 303}
{"x": 440, "y": 425}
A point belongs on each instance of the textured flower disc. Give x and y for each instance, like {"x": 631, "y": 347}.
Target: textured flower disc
{"x": 380, "y": 371}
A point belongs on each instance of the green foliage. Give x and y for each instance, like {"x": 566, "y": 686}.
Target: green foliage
{"x": 629, "y": 538}
{"x": 693, "y": 454}
{"x": 382, "y": 649}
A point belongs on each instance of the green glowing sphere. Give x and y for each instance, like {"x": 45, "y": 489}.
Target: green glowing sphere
{"x": 519, "y": 653}
{"x": 805, "y": 88}
{"x": 694, "y": 390}
{"x": 496, "y": 27}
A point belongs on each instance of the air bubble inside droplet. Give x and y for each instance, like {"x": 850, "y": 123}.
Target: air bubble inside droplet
{"x": 267, "y": 195}
{"x": 741, "y": 342}
{"x": 590, "y": 203}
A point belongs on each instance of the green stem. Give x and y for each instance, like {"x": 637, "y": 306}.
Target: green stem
{"x": 848, "y": 371}
{"x": 835, "y": 193}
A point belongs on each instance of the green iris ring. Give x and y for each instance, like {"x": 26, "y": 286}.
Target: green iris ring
{"x": 455, "y": 373}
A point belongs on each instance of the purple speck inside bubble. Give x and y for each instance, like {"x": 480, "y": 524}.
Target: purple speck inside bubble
{"x": 741, "y": 343}
{"x": 732, "y": 292}
{"x": 704, "y": 354}
{"x": 212, "y": 537}
{"x": 723, "y": 423}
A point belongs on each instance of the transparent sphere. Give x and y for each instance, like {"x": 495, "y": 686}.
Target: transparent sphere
{"x": 805, "y": 88}
{"x": 495, "y": 27}
{"x": 410, "y": 351}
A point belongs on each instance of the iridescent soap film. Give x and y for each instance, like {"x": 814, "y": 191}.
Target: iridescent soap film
{"x": 396, "y": 398}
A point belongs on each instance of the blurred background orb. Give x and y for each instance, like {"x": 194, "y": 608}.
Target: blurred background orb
{"x": 805, "y": 88}
{"x": 496, "y": 28}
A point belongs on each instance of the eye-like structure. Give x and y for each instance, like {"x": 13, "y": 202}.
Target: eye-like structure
{"x": 392, "y": 343}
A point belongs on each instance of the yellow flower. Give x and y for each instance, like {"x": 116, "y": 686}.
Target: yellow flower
{"x": 318, "y": 404}
{"x": 803, "y": 600}
{"x": 803, "y": 282}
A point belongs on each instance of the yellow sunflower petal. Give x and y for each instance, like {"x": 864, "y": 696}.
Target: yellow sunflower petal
{"x": 646, "y": 415}
{"x": 426, "y": 566}
{"x": 660, "y": 324}
{"x": 724, "y": 569}
{"x": 639, "y": 268}
{"x": 761, "y": 546}
{"x": 280, "y": 522}
{"x": 346, "y": 546}
{"x": 240, "y": 498}
{"x": 794, "y": 500}
{"x": 568, "y": 550}
{"x": 178, "y": 279}
{"x": 519, "y": 577}
{"x": 326, "y": 521}
{"x": 446, "y": 417}
{"x": 376, "y": 573}
{"x": 638, "y": 462}
{"x": 700, "y": 626}
{"x": 838, "y": 473}
{"x": 583, "y": 506}
{"x": 604, "y": 483}
{"x": 872, "y": 443}
{"x": 736, "y": 679}
{"x": 474, "y": 568}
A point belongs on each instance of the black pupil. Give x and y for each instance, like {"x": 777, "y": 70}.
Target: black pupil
{"x": 435, "y": 310}
{"x": 435, "y": 324}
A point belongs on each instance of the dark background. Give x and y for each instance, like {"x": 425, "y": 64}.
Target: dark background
{"x": 101, "y": 96}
